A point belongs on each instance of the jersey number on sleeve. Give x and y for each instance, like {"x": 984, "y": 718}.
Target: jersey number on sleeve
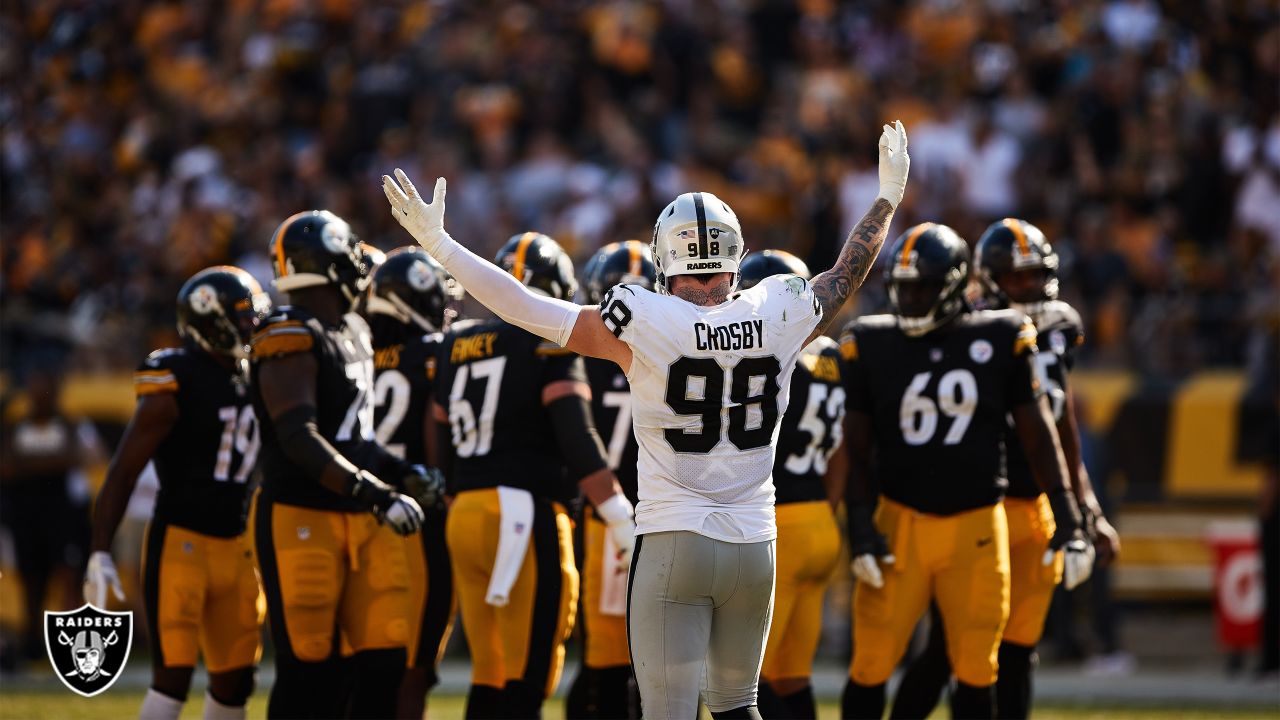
{"x": 957, "y": 399}
{"x": 615, "y": 313}
{"x": 823, "y": 419}
{"x": 239, "y": 434}
{"x": 695, "y": 386}
{"x": 472, "y": 437}
{"x": 392, "y": 390}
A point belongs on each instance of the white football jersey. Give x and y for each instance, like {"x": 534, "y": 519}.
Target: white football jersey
{"x": 709, "y": 386}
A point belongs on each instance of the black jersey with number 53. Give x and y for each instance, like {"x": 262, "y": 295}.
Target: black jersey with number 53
{"x": 401, "y": 391}
{"x": 344, "y": 408}
{"x": 813, "y": 425}
{"x": 1059, "y": 333}
{"x": 938, "y": 404}
{"x": 206, "y": 461}
{"x": 489, "y": 378}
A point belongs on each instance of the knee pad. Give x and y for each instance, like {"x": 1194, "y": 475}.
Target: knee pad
{"x": 310, "y": 592}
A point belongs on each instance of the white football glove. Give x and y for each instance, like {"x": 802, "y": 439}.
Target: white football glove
{"x": 867, "y": 570}
{"x": 100, "y": 575}
{"x": 620, "y": 517}
{"x": 403, "y": 515}
{"x": 424, "y": 221}
{"x": 1077, "y": 562}
{"x": 894, "y": 163}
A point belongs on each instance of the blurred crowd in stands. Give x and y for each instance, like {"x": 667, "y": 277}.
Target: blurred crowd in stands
{"x": 143, "y": 141}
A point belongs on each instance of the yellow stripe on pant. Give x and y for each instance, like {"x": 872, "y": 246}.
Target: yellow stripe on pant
{"x": 1031, "y": 582}
{"x": 808, "y": 548}
{"x": 962, "y": 562}
{"x": 202, "y": 597}
{"x": 605, "y": 635}
{"x": 524, "y": 640}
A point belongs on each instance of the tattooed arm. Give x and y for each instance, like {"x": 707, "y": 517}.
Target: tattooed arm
{"x": 834, "y": 286}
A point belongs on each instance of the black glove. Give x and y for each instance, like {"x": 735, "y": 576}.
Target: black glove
{"x": 426, "y": 485}
{"x": 864, "y": 538}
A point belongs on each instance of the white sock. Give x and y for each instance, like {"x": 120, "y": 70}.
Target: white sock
{"x": 214, "y": 710}
{"x": 158, "y": 706}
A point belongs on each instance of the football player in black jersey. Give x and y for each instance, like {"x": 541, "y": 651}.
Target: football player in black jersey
{"x": 1017, "y": 268}
{"x": 516, "y": 411}
{"x": 928, "y": 392}
{"x": 409, "y": 303}
{"x": 194, "y": 419}
{"x": 603, "y": 687}
{"x": 807, "y": 486}
{"x": 325, "y": 525}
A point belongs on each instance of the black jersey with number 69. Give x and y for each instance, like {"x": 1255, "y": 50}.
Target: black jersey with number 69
{"x": 813, "y": 425}
{"x": 489, "y": 378}
{"x": 938, "y": 404}
{"x": 401, "y": 392}
{"x": 1059, "y": 333}
{"x": 344, "y": 407}
{"x": 206, "y": 461}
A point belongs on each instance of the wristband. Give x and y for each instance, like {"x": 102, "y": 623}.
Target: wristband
{"x": 616, "y": 509}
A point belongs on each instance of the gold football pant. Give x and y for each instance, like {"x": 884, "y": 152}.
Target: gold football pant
{"x": 202, "y": 596}
{"x": 523, "y": 641}
{"x": 605, "y": 636}
{"x": 1031, "y": 582}
{"x": 431, "y": 597}
{"x": 808, "y": 548}
{"x": 960, "y": 561}
{"x": 325, "y": 570}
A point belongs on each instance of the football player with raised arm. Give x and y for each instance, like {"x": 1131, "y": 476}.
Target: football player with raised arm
{"x": 809, "y": 476}
{"x": 409, "y": 304}
{"x": 710, "y": 373}
{"x": 195, "y": 421}
{"x": 1018, "y": 268}
{"x": 325, "y": 522}
{"x": 929, "y": 389}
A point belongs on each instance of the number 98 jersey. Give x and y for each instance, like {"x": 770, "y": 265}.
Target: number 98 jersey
{"x": 708, "y": 387}
{"x": 813, "y": 425}
{"x": 939, "y": 403}
{"x": 205, "y": 462}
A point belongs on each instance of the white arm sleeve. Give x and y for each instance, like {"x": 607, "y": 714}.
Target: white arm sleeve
{"x": 507, "y": 297}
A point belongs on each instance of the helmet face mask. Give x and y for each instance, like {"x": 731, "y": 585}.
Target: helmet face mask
{"x": 219, "y": 308}
{"x": 696, "y": 234}
{"x": 1017, "y": 267}
{"x": 926, "y": 278}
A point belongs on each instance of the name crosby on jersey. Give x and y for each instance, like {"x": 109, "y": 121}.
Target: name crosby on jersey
{"x": 741, "y": 335}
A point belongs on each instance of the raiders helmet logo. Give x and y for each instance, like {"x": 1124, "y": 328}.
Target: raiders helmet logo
{"x": 88, "y": 647}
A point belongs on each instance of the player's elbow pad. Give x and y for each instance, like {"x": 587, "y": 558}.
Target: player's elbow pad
{"x": 576, "y": 435}
{"x": 301, "y": 441}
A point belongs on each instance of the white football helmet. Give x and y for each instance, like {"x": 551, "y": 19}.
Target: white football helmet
{"x": 697, "y": 234}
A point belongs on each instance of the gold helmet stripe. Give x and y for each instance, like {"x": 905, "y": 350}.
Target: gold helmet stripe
{"x": 910, "y": 244}
{"x": 522, "y": 247}
{"x": 277, "y": 242}
{"x": 1015, "y": 227}
{"x": 633, "y": 247}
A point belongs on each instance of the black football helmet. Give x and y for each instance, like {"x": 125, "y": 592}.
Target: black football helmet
{"x": 1016, "y": 266}
{"x": 219, "y": 308}
{"x": 758, "y": 266}
{"x": 315, "y": 248}
{"x": 540, "y": 263}
{"x": 621, "y": 262}
{"x": 927, "y": 274}
{"x": 413, "y": 288}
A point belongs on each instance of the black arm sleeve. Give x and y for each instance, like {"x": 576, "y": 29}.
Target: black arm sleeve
{"x": 576, "y": 434}
{"x": 302, "y": 442}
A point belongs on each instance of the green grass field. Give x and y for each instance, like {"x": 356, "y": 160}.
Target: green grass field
{"x": 26, "y": 704}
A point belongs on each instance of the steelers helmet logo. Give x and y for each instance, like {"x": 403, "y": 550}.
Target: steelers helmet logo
{"x": 420, "y": 276}
{"x": 204, "y": 300}
{"x": 336, "y": 236}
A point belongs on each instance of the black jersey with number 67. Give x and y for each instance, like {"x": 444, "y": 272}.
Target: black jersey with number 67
{"x": 938, "y": 404}
{"x": 1059, "y": 333}
{"x": 401, "y": 389}
{"x": 206, "y": 461}
{"x": 813, "y": 425}
{"x": 489, "y": 379}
